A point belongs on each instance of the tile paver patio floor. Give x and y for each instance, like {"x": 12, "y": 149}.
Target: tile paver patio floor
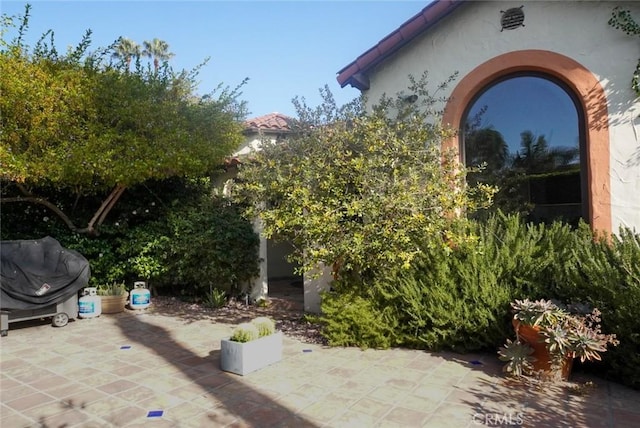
{"x": 80, "y": 376}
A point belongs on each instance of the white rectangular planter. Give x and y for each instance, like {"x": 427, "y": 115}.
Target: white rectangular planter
{"x": 244, "y": 358}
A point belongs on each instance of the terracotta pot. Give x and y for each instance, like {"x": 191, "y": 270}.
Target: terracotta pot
{"x": 531, "y": 335}
{"x": 113, "y": 304}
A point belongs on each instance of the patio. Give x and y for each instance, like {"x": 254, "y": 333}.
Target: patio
{"x": 154, "y": 368}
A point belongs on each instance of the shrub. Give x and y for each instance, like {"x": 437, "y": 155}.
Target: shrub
{"x": 170, "y": 233}
{"x": 458, "y": 296}
{"x": 605, "y": 273}
{"x": 352, "y": 320}
{"x": 102, "y": 255}
{"x": 453, "y": 299}
{"x": 453, "y": 296}
{"x": 211, "y": 244}
{"x": 353, "y": 187}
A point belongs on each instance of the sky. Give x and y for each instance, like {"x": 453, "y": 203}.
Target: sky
{"x": 529, "y": 103}
{"x": 285, "y": 48}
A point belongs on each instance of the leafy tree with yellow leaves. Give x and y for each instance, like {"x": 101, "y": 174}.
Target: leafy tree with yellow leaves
{"x": 359, "y": 190}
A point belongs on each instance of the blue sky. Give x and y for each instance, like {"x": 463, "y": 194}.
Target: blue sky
{"x": 285, "y": 48}
{"x": 530, "y": 103}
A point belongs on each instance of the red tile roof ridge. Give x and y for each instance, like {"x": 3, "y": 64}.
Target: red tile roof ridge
{"x": 270, "y": 122}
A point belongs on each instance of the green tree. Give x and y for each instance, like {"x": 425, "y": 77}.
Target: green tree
{"x": 158, "y": 50}
{"x": 536, "y": 156}
{"x": 486, "y": 146}
{"x": 357, "y": 189}
{"x": 75, "y": 124}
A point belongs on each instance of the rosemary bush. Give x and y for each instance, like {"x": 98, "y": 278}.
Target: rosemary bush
{"x": 458, "y": 296}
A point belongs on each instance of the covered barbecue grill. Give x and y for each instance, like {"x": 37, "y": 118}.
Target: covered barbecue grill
{"x": 39, "y": 278}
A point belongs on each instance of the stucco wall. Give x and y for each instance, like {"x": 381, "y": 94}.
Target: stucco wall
{"x": 578, "y": 30}
{"x": 251, "y": 143}
{"x": 273, "y": 255}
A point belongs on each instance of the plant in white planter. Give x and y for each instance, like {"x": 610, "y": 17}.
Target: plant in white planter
{"x": 252, "y": 346}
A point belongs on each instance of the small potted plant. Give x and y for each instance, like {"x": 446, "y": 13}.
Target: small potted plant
{"x": 252, "y": 346}
{"x": 549, "y": 337}
{"x": 113, "y": 297}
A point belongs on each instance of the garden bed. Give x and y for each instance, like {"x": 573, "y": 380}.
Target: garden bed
{"x": 289, "y": 319}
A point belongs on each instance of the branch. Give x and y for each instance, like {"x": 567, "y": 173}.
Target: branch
{"x": 42, "y": 201}
{"x": 106, "y": 207}
{"x": 117, "y": 193}
{"x": 96, "y": 220}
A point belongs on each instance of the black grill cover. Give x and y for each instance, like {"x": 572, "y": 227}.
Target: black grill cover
{"x": 38, "y": 273}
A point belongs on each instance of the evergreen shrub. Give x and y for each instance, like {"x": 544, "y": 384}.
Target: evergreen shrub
{"x": 604, "y": 272}
{"x": 171, "y": 233}
{"x": 452, "y": 298}
{"x": 457, "y": 297}
{"x": 210, "y": 244}
{"x": 354, "y": 320}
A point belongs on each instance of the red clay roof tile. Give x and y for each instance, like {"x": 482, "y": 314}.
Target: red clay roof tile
{"x": 269, "y": 122}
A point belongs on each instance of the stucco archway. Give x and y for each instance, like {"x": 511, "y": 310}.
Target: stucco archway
{"x": 592, "y": 99}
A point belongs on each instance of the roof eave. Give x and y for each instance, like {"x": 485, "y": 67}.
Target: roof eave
{"x": 274, "y": 131}
{"x": 355, "y": 73}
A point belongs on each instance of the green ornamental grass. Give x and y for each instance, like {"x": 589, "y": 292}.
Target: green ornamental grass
{"x": 245, "y": 332}
{"x": 266, "y": 326}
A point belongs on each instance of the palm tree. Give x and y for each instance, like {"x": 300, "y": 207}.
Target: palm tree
{"x": 536, "y": 156}
{"x": 125, "y": 49}
{"x": 158, "y": 50}
{"x": 534, "y": 153}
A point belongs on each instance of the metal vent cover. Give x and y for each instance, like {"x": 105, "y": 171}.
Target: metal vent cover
{"x": 512, "y": 18}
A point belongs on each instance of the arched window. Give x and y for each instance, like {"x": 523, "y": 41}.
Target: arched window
{"x": 525, "y": 131}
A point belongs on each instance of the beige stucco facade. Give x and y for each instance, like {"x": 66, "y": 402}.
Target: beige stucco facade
{"x": 568, "y": 40}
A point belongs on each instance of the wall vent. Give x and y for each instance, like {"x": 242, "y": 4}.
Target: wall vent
{"x": 512, "y": 18}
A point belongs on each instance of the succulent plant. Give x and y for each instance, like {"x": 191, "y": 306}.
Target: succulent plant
{"x": 579, "y": 336}
{"x": 538, "y": 313}
{"x": 517, "y": 355}
{"x": 566, "y": 334}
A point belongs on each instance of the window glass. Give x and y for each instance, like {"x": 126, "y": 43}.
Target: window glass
{"x": 525, "y": 132}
